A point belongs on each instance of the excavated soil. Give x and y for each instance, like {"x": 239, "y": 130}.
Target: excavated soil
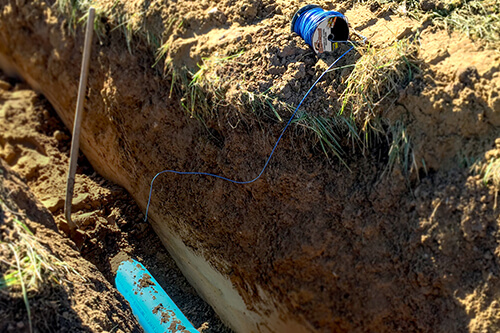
{"x": 341, "y": 247}
{"x": 83, "y": 302}
{"x": 35, "y": 160}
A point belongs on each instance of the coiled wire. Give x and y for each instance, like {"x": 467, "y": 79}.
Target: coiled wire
{"x": 308, "y": 21}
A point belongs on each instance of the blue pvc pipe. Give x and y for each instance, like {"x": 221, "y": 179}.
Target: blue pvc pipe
{"x": 151, "y": 305}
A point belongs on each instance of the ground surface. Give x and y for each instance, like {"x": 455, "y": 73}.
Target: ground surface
{"x": 36, "y": 146}
{"x": 349, "y": 244}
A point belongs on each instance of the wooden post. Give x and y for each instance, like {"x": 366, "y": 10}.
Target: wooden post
{"x": 75, "y": 142}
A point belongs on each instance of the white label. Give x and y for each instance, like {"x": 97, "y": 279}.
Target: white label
{"x": 320, "y": 39}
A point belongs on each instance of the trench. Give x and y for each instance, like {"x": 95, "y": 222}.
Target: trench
{"x": 112, "y": 228}
{"x": 317, "y": 245}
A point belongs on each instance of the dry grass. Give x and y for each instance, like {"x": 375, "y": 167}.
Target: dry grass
{"x": 478, "y": 19}
{"x": 27, "y": 265}
{"x": 490, "y": 172}
{"x": 376, "y": 77}
{"x": 203, "y": 90}
{"x": 379, "y": 73}
{"x": 400, "y": 150}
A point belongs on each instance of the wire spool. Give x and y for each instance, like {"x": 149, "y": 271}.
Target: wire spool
{"x": 321, "y": 30}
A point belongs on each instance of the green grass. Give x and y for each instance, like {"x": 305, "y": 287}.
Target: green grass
{"x": 112, "y": 15}
{"x": 203, "y": 89}
{"x": 328, "y": 132}
{"x": 375, "y": 79}
{"x": 8, "y": 282}
{"x": 30, "y": 265}
{"x": 377, "y": 75}
{"x": 491, "y": 176}
{"x": 400, "y": 151}
{"x": 162, "y": 51}
{"x": 265, "y": 104}
{"x": 76, "y": 12}
{"x": 37, "y": 265}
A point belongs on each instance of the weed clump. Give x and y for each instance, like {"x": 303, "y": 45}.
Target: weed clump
{"x": 477, "y": 19}
{"x": 27, "y": 265}
{"x": 490, "y": 170}
{"x": 376, "y": 75}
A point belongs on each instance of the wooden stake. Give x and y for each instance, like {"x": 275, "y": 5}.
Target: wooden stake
{"x": 75, "y": 142}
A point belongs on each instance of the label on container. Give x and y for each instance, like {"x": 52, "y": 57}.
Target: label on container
{"x": 323, "y": 36}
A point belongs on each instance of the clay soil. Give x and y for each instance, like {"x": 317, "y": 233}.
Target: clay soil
{"x": 351, "y": 245}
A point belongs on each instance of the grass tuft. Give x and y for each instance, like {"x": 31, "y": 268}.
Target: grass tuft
{"x": 378, "y": 74}
{"x": 400, "y": 151}
{"x": 327, "y": 131}
{"x": 23, "y": 286}
{"x": 204, "y": 89}
{"x": 76, "y": 12}
{"x": 478, "y": 19}
{"x": 30, "y": 266}
{"x": 491, "y": 175}
{"x": 37, "y": 265}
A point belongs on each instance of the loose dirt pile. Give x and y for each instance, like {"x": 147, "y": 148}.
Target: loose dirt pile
{"x": 71, "y": 295}
{"x": 377, "y": 213}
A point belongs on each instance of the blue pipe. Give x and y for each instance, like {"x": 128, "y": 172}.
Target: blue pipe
{"x": 153, "y": 308}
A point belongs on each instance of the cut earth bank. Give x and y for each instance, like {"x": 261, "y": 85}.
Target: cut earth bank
{"x": 67, "y": 282}
{"x": 401, "y": 233}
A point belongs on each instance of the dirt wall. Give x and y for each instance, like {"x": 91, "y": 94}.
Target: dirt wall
{"x": 313, "y": 245}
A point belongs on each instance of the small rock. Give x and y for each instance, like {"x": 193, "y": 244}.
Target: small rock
{"x": 53, "y": 204}
{"x": 81, "y": 201}
{"x": 5, "y": 85}
{"x": 203, "y": 327}
{"x": 428, "y": 5}
{"x": 249, "y": 10}
{"x": 374, "y": 6}
{"x": 438, "y": 55}
{"x": 405, "y": 33}
{"x": 288, "y": 50}
{"x": 60, "y": 136}
{"x": 85, "y": 219}
{"x": 217, "y": 14}
{"x": 142, "y": 227}
{"x": 9, "y": 153}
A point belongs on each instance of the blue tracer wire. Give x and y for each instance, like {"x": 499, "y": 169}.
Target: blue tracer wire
{"x": 270, "y": 155}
